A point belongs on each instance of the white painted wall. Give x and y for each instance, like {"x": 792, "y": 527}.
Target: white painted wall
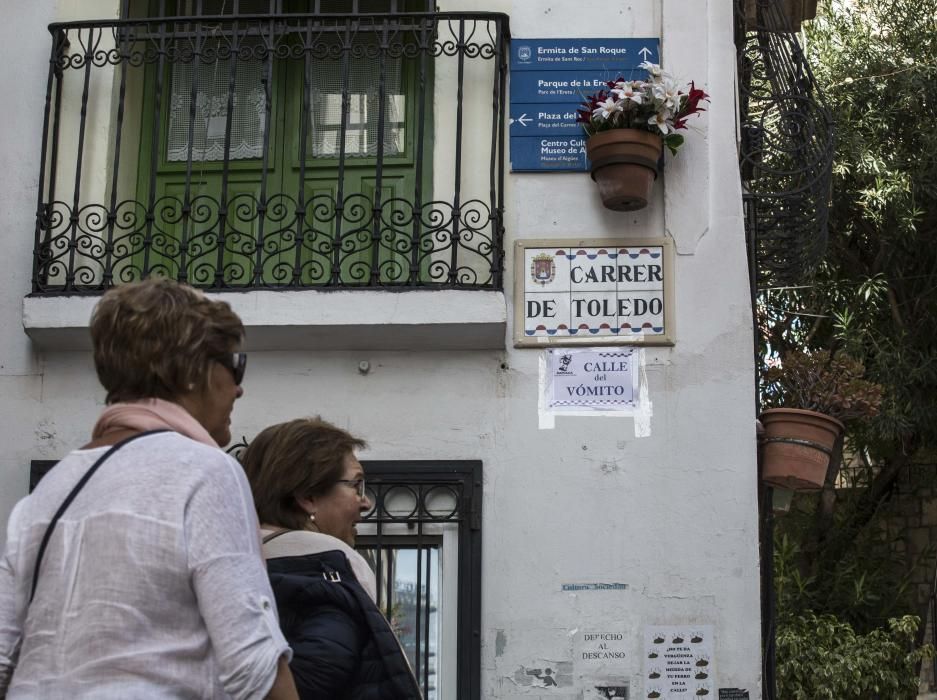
{"x": 672, "y": 515}
{"x": 24, "y": 53}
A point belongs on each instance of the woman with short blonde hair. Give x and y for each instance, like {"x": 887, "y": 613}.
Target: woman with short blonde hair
{"x": 157, "y": 339}
{"x": 133, "y": 569}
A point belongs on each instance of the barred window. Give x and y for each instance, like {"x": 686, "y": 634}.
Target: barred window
{"x": 423, "y": 539}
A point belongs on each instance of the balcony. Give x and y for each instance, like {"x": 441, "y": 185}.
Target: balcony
{"x": 786, "y": 154}
{"x": 268, "y": 152}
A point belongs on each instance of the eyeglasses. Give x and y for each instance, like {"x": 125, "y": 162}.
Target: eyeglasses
{"x": 356, "y": 484}
{"x": 235, "y": 362}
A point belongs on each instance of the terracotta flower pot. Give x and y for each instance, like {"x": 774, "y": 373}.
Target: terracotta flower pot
{"x": 796, "y": 448}
{"x": 624, "y": 166}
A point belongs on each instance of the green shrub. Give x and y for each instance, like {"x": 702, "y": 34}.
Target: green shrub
{"x": 822, "y": 658}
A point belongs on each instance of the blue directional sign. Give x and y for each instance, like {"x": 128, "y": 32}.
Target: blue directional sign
{"x": 533, "y": 119}
{"x": 575, "y": 54}
{"x": 544, "y": 153}
{"x": 550, "y": 78}
{"x": 542, "y": 86}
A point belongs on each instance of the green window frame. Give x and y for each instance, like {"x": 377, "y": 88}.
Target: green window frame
{"x": 358, "y": 239}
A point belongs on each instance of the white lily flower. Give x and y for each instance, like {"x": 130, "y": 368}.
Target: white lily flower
{"x": 667, "y": 93}
{"x": 662, "y": 121}
{"x": 607, "y": 109}
{"x": 655, "y": 71}
{"x": 626, "y": 91}
{"x": 651, "y": 68}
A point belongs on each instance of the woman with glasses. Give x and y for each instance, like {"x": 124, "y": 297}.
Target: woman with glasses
{"x": 309, "y": 490}
{"x": 133, "y": 569}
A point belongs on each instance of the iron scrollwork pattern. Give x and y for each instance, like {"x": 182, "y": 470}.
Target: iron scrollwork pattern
{"x": 786, "y": 153}
{"x": 103, "y": 218}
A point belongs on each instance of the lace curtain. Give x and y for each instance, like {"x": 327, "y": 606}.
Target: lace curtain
{"x": 249, "y": 107}
{"x": 211, "y": 111}
{"x": 361, "y": 124}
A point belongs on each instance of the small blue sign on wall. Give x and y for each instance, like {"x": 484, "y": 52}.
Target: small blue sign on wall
{"x": 543, "y": 86}
{"x": 533, "y": 119}
{"x": 574, "y": 54}
{"x": 549, "y": 80}
{"x": 546, "y": 153}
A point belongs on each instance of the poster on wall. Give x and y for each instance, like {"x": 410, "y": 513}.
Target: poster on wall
{"x": 595, "y": 292}
{"x": 602, "y": 647}
{"x": 602, "y": 379}
{"x": 678, "y": 662}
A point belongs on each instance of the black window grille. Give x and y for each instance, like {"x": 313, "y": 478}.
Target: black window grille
{"x": 357, "y": 146}
{"x": 197, "y": 8}
{"x": 421, "y": 511}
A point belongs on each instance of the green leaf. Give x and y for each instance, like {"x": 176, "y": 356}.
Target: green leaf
{"x": 673, "y": 142}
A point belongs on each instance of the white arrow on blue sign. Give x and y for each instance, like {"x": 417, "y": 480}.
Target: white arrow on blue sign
{"x": 576, "y": 54}
{"x": 545, "y": 119}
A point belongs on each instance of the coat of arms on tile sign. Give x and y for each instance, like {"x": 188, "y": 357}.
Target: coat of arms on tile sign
{"x": 543, "y": 269}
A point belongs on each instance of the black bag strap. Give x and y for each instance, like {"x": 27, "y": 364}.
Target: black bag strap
{"x": 71, "y": 497}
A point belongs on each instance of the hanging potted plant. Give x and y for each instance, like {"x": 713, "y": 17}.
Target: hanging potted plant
{"x": 811, "y": 398}
{"x": 628, "y": 124}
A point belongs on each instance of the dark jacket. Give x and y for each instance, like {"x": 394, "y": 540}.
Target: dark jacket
{"x": 343, "y": 647}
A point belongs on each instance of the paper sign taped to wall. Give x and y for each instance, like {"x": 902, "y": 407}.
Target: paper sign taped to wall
{"x": 678, "y": 662}
{"x": 591, "y": 378}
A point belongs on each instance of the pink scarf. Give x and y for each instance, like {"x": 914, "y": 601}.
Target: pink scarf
{"x": 151, "y": 414}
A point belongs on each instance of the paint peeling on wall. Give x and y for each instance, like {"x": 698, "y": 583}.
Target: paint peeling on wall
{"x": 501, "y": 642}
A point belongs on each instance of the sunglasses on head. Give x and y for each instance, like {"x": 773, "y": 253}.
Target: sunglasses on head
{"x": 235, "y": 363}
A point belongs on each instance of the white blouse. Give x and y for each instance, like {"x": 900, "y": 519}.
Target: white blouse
{"x": 152, "y": 585}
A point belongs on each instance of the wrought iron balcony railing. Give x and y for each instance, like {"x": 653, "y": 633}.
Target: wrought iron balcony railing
{"x": 274, "y": 151}
{"x": 787, "y": 143}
